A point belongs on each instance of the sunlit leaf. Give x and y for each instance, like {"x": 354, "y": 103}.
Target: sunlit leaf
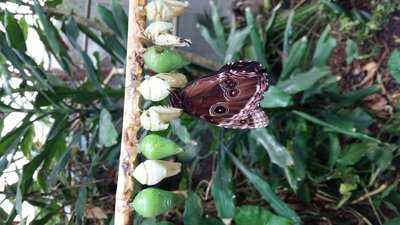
{"x": 107, "y": 133}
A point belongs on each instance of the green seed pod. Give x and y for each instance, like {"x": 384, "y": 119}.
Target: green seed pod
{"x": 163, "y": 60}
{"x": 156, "y": 147}
{"x": 152, "y": 202}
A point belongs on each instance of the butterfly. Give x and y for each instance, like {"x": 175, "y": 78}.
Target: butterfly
{"x": 228, "y": 98}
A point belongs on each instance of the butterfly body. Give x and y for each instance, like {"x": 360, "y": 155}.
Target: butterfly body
{"x": 228, "y": 98}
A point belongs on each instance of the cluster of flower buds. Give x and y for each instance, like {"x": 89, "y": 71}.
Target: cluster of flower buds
{"x": 161, "y": 12}
{"x": 163, "y": 60}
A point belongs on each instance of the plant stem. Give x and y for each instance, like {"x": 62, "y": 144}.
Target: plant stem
{"x": 131, "y": 123}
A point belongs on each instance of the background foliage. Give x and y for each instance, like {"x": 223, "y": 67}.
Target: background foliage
{"x": 329, "y": 156}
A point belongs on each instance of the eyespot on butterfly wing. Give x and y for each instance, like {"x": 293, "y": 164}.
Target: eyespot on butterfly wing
{"x": 228, "y": 98}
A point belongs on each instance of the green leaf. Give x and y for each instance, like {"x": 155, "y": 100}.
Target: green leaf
{"x": 27, "y": 141}
{"x": 287, "y": 39}
{"x": 72, "y": 30}
{"x": 181, "y": 131}
{"x": 394, "y": 221}
{"x": 58, "y": 168}
{"x": 120, "y": 18}
{"x": 92, "y": 73}
{"x": 236, "y": 41}
{"x": 335, "y": 128}
{"x": 218, "y": 28}
{"x": 325, "y": 46}
{"x": 384, "y": 159}
{"x": 256, "y": 42}
{"x": 205, "y": 33}
{"x": 354, "y": 153}
{"x": 277, "y": 153}
{"x": 295, "y": 58}
{"x": 351, "y": 51}
{"x": 45, "y": 219}
{"x": 12, "y": 138}
{"x": 53, "y": 3}
{"x": 55, "y": 136}
{"x": 80, "y": 205}
{"x": 93, "y": 36}
{"x": 394, "y": 64}
{"x": 276, "y": 98}
{"x": 15, "y": 35}
{"x": 193, "y": 210}
{"x": 24, "y": 27}
{"x": 107, "y": 17}
{"x": 222, "y": 189}
{"x": 266, "y": 191}
{"x": 271, "y": 22}
{"x": 255, "y": 215}
{"x": 82, "y": 95}
{"x": 165, "y": 223}
{"x": 334, "y": 149}
{"x": 107, "y": 133}
{"x": 303, "y": 81}
{"x": 50, "y": 31}
{"x": 113, "y": 43}
{"x": 355, "y": 96}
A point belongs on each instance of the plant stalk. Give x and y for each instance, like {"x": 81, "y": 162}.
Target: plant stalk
{"x": 131, "y": 124}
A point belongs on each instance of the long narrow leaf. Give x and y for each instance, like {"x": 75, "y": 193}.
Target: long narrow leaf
{"x": 235, "y": 43}
{"x": 280, "y": 207}
{"x": 303, "y": 81}
{"x": 218, "y": 27}
{"x": 294, "y": 59}
{"x": 335, "y": 128}
{"x": 256, "y": 43}
{"x": 325, "y": 46}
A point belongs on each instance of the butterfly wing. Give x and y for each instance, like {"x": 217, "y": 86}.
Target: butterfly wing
{"x": 229, "y": 98}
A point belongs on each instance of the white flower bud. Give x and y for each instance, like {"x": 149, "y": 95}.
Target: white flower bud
{"x": 151, "y": 172}
{"x": 157, "y": 118}
{"x": 165, "y": 10}
{"x": 154, "y": 89}
{"x": 175, "y": 80}
{"x": 157, "y": 28}
{"x": 159, "y": 33}
{"x": 171, "y": 40}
